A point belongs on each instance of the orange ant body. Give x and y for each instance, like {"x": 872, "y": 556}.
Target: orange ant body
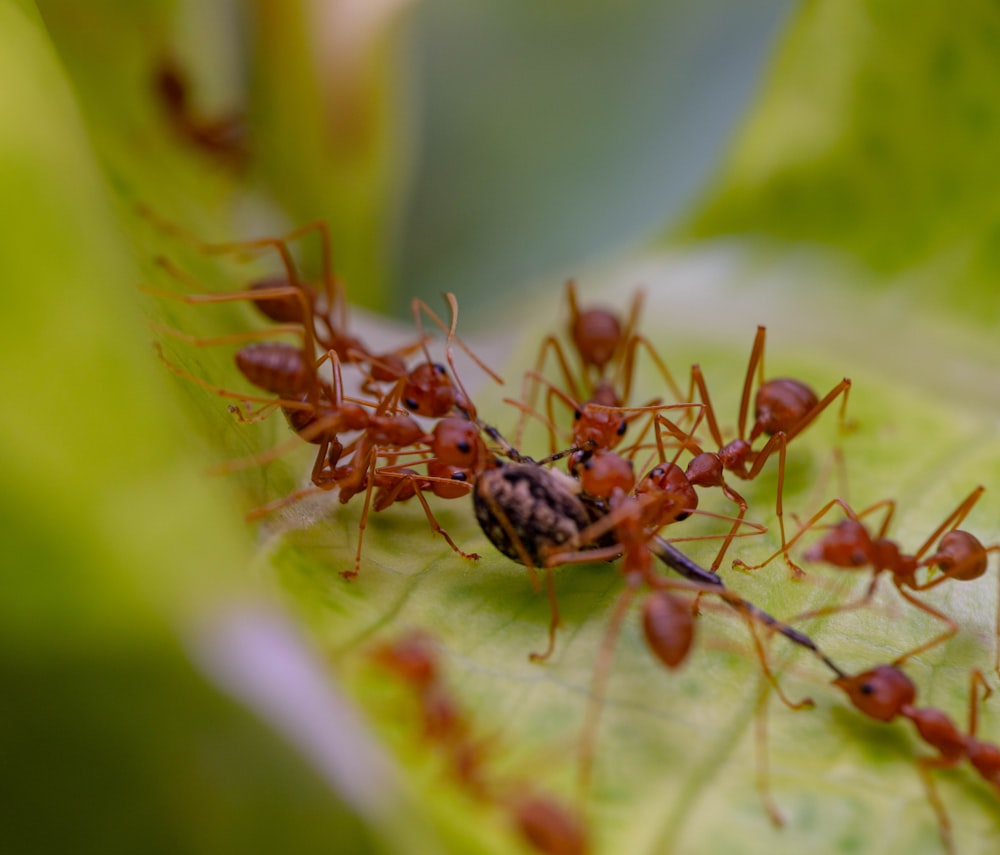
{"x": 885, "y": 692}
{"x": 783, "y": 408}
{"x": 851, "y": 546}
{"x": 634, "y": 515}
{"x": 224, "y": 139}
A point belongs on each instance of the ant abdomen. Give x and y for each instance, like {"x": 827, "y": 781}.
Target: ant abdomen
{"x": 287, "y": 309}
{"x": 668, "y": 626}
{"x": 985, "y": 758}
{"x": 669, "y": 479}
{"x": 276, "y": 367}
{"x": 705, "y": 470}
{"x": 549, "y": 827}
{"x": 961, "y": 555}
{"x": 597, "y": 334}
{"x": 780, "y": 405}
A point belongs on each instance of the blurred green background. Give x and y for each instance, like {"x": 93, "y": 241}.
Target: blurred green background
{"x": 826, "y": 168}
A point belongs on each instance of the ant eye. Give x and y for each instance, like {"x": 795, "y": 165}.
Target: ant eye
{"x": 867, "y": 689}
{"x": 656, "y": 473}
{"x": 576, "y": 415}
{"x": 440, "y": 369}
{"x": 463, "y": 446}
{"x": 459, "y": 476}
{"x": 621, "y": 428}
{"x": 410, "y": 404}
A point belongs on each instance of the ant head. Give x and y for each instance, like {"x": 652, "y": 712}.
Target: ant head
{"x": 847, "y": 545}
{"x": 672, "y": 489}
{"x": 597, "y": 426}
{"x": 881, "y": 693}
{"x": 428, "y": 390}
{"x": 457, "y": 442}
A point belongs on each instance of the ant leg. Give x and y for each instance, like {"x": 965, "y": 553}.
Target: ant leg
{"x": 934, "y": 642}
{"x": 435, "y": 526}
{"x": 231, "y": 338}
{"x": 247, "y": 416}
{"x": 419, "y": 306}
{"x": 529, "y": 390}
{"x": 755, "y": 363}
{"x": 780, "y": 442}
{"x": 763, "y": 772}
{"x": 549, "y": 425}
{"x": 228, "y": 393}
{"x": 599, "y": 682}
{"x": 808, "y": 525}
{"x": 627, "y": 369}
{"x": 698, "y": 382}
{"x": 741, "y": 504}
{"x": 842, "y": 388}
{"x": 761, "y": 653}
{"x": 363, "y": 522}
{"x": 925, "y": 765}
{"x": 859, "y": 603}
{"x": 554, "y": 621}
{"x": 977, "y": 680}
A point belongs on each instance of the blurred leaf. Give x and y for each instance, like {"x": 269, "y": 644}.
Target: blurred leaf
{"x": 111, "y": 458}
{"x": 876, "y": 135}
{"x": 553, "y": 134}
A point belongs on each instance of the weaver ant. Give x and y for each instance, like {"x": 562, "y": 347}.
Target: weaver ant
{"x": 783, "y": 408}
{"x": 223, "y": 139}
{"x": 541, "y": 820}
{"x": 600, "y": 340}
{"x": 885, "y": 692}
{"x": 851, "y": 546}
{"x": 634, "y": 514}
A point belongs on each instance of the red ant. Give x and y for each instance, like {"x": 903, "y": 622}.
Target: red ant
{"x": 851, "y": 546}
{"x": 885, "y": 692}
{"x": 413, "y": 658}
{"x": 634, "y": 514}
{"x": 600, "y": 340}
{"x": 223, "y": 139}
{"x": 541, "y": 820}
{"x": 292, "y": 303}
{"x": 783, "y": 408}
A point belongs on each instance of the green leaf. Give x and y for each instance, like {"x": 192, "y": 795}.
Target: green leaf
{"x": 130, "y": 562}
{"x": 875, "y": 135}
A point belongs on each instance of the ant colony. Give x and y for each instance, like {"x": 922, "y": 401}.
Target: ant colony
{"x": 618, "y": 484}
